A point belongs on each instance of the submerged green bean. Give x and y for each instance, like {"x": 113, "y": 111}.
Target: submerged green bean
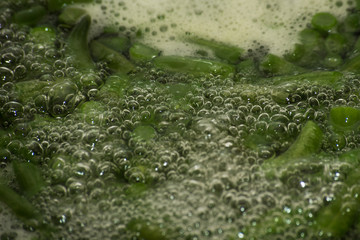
{"x": 230, "y": 54}
{"x": 344, "y": 118}
{"x": 30, "y": 16}
{"x": 337, "y": 218}
{"x": 194, "y": 66}
{"x": 77, "y": 44}
{"x": 71, "y": 15}
{"x": 142, "y": 53}
{"x": 117, "y": 62}
{"x": 324, "y": 21}
{"x": 273, "y": 65}
{"x": 117, "y": 42}
{"x": 307, "y": 143}
{"x": 55, "y": 5}
{"x": 19, "y": 205}
{"x": 28, "y": 177}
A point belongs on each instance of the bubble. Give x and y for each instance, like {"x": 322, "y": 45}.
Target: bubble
{"x": 277, "y": 129}
{"x": 279, "y": 118}
{"x": 90, "y": 81}
{"x": 82, "y": 170}
{"x": 59, "y": 74}
{"x": 62, "y": 98}
{"x": 337, "y": 141}
{"x": 13, "y": 110}
{"x": 6, "y": 75}
{"x": 76, "y": 188}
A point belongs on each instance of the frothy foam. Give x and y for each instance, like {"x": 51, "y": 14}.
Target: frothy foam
{"x": 247, "y": 24}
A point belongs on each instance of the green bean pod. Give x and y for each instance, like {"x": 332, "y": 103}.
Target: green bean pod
{"x": 194, "y": 66}
{"x": 30, "y": 16}
{"x": 230, "y": 54}
{"x": 307, "y": 143}
{"x": 115, "y": 60}
{"x": 77, "y": 44}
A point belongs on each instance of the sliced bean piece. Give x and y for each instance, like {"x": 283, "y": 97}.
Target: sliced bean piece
{"x": 116, "y": 61}
{"x": 225, "y": 52}
{"x": 142, "y": 53}
{"x": 324, "y": 21}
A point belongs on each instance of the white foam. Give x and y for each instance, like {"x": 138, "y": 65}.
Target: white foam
{"x": 272, "y": 23}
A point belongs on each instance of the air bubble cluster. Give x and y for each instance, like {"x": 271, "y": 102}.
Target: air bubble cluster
{"x": 170, "y": 156}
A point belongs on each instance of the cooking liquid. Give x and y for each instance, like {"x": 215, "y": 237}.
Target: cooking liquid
{"x": 196, "y": 172}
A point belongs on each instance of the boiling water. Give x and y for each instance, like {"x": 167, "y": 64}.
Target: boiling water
{"x": 180, "y": 156}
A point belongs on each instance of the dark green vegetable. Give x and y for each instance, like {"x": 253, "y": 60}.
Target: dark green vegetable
{"x": 352, "y": 23}
{"x": 71, "y": 15}
{"x": 307, "y": 143}
{"x": 54, "y": 5}
{"x": 296, "y": 54}
{"x": 115, "y": 60}
{"x": 230, "y": 54}
{"x": 336, "y": 43}
{"x": 327, "y": 78}
{"x": 193, "y": 65}
{"x": 28, "y": 177}
{"x": 332, "y": 61}
{"x": 248, "y": 69}
{"x": 324, "y": 22}
{"x": 77, "y": 45}
{"x": 30, "y": 16}
{"x": 91, "y": 112}
{"x": 19, "y": 205}
{"x": 114, "y": 86}
{"x": 342, "y": 213}
{"x": 144, "y": 132}
{"x": 352, "y": 65}
{"x": 311, "y": 39}
{"x": 344, "y": 118}
{"x": 273, "y": 65}
{"x": 146, "y": 231}
{"x": 142, "y": 53}
{"x": 28, "y": 90}
{"x": 118, "y": 42}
